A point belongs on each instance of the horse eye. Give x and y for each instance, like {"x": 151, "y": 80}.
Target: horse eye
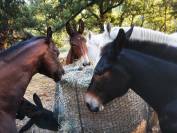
{"x": 58, "y": 53}
{"x": 98, "y": 72}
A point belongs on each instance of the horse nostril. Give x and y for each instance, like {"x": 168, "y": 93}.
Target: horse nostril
{"x": 63, "y": 71}
{"x": 88, "y": 105}
{"x": 86, "y": 64}
{"x": 93, "y": 109}
{"x": 96, "y": 109}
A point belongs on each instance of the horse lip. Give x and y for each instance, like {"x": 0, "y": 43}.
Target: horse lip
{"x": 86, "y": 64}
{"x": 57, "y": 77}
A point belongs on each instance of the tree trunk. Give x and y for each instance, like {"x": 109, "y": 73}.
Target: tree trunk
{"x": 4, "y": 33}
{"x": 121, "y": 19}
{"x": 132, "y": 19}
{"x": 165, "y": 16}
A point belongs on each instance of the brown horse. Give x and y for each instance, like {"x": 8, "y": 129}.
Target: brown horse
{"x": 78, "y": 44}
{"x": 17, "y": 66}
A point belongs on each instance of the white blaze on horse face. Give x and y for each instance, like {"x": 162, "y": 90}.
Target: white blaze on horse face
{"x": 85, "y": 59}
{"x": 93, "y": 102}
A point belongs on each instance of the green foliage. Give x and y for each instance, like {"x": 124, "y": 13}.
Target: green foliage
{"x": 36, "y": 15}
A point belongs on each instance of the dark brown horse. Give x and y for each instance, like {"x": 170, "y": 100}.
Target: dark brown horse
{"x": 152, "y": 78}
{"x": 38, "y": 115}
{"x": 78, "y": 48}
{"x": 17, "y": 66}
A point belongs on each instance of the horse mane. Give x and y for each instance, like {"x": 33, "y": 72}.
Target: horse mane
{"x": 13, "y": 50}
{"x": 145, "y": 44}
{"x": 173, "y": 34}
{"x": 160, "y": 50}
{"x": 141, "y": 33}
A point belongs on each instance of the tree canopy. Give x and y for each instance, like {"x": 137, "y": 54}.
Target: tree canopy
{"x": 20, "y": 18}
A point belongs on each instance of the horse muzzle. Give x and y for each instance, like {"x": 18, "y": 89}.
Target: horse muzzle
{"x": 86, "y": 61}
{"x": 86, "y": 64}
{"x": 93, "y": 103}
{"x": 58, "y": 75}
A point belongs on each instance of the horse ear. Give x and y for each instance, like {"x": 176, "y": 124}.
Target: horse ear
{"x": 108, "y": 27}
{"x": 89, "y": 35}
{"x": 27, "y": 126}
{"x": 129, "y": 32}
{"x": 74, "y": 26}
{"x": 37, "y": 100}
{"x": 69, "y": 30}
{"x": 49, "y": 32}
{"x": 81, "y": 26}
{"x": 119, "y": 42}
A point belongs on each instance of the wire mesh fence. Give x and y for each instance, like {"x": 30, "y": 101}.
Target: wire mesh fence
{"x": 128, "y": 114}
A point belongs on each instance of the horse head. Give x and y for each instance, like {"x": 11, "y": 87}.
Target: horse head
{"x": 95, "y": 42}
{"x": 109, "y": 79}
{"x": 49, "y": 64}
{"x": 78, "y": 44}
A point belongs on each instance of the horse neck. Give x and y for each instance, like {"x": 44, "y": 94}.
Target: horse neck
{"x": 27, "y": 57}
{"x": 148, "y": 80}
{"x": 16, "y": 74}
{"x": 159, "y": 50}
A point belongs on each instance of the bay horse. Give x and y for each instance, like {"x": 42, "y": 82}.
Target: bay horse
{"x": 78, "y": 49}
{"x": 152, "y": 78}
{"x": 138, "y": 33}
{"x": 17, "y": 66}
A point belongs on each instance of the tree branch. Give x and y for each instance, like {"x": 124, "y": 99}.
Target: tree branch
{"x": 111, "y": 7}
{"x": 73, "y": 16}
{"x": 101, "y": 6}
{"x": 96, "y": 16}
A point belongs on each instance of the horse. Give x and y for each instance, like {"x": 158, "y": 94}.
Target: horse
{"x": 38, "y": 115}
{"x": 174, "y": 34}
{"x": 138, "y": 33}
{"x": 17, "y": 66}
{"x": 94, "y": 44}
{"x": 78, "y": 49}
{"x": 159, "y": 50}
{"x": 151, "y": 78}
